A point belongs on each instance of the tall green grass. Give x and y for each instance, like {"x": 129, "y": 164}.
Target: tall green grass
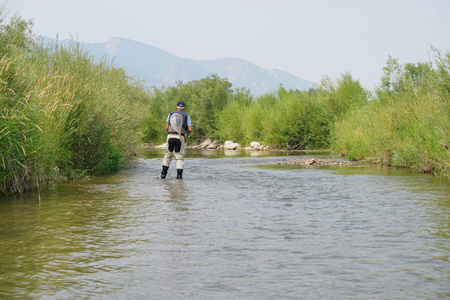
{"x": 408, "y": 124}
{"x": 63, "y": 115}
{"x": 291, "y": 119}
{"x": 283, "y": 119}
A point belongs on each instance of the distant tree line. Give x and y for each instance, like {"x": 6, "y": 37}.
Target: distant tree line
{"x": 285, "y": 118}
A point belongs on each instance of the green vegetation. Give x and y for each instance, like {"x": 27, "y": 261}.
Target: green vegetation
{"x": 405, "y": 124}
{"x": 65, "y": 115}
{"x": 205, "y": 99}
{"x": 62, "y": 115}
{"x": 293, "y": 119}
{"x": 408, "y": 123}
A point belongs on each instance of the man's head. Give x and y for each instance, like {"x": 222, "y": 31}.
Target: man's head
{"x": 181, "y": 105}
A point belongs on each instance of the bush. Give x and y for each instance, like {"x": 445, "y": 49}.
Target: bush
{"x": 408, "y": 124}
{"x": 62, "y": 114}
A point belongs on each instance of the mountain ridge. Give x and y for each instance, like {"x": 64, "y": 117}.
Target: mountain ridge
{"x": 158, "y": 67}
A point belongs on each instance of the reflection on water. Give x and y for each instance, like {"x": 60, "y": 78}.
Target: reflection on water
{"x": 237, "y": 226}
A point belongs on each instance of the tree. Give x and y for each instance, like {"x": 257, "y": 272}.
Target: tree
{"x": 17, "y": 33}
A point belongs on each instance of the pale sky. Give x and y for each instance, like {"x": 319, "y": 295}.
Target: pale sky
{"x": 308, "y": 38}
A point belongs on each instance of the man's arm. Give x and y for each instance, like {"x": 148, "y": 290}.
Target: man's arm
{"x": 189, "y": 124}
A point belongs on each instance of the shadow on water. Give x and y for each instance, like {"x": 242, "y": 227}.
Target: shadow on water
{"x": 239, "y": 226}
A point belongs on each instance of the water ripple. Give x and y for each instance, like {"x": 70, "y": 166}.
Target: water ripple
{"x": 232, "y": 229}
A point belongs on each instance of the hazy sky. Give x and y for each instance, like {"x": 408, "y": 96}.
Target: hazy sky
{"x": 305, "y": 37}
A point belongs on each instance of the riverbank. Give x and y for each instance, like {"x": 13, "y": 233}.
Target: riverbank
{"x": 62, "y": 114}
{"x": 232, "y": 145}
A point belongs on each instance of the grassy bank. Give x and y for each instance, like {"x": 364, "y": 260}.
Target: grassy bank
{"x": 291, "y": 119}
{"x": 408, "y": 123}
{"x": 62, "y": 114}
{"x": 285, "y": 118}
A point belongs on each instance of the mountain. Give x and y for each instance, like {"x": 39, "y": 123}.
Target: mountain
{"x": 158, "y": 67}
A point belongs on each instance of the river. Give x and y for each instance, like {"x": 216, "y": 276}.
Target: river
{"x": 238, "y": 226}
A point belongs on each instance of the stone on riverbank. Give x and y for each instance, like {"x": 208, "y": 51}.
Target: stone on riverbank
{"x": 231, "y": 145}
{"x": 255, "y": 145}
{"x": 208, "y": 144}
{"x": 205, "y": 144}
{"x": 214, "y": 145}
{"x": 318, "y": 162}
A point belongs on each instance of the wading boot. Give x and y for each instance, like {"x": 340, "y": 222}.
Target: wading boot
{"x": 179, "y": 173}
{"x": 164, "y": 172}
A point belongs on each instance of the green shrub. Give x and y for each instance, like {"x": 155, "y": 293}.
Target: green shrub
{"x": 61, "y": 113}
{"x": 408, "y": 124}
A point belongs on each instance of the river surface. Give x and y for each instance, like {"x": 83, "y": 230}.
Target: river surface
{"x": 238, "y": 226}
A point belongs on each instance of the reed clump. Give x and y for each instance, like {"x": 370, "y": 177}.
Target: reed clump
{"x": 408, "y": 123}
{"x": 292, "y": 119}
{"x": 62, "y": 114}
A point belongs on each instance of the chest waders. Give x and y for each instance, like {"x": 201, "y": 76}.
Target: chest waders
{"x": 176, "y": 142}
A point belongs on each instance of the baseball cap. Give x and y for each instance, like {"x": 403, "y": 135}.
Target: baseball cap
{"x": 181, "y": 104}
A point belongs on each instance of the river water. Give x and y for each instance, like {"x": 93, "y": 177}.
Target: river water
{"x": 238, "y": 226}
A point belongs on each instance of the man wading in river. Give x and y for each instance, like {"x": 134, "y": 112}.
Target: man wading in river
{"x": 178, "y": 124}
